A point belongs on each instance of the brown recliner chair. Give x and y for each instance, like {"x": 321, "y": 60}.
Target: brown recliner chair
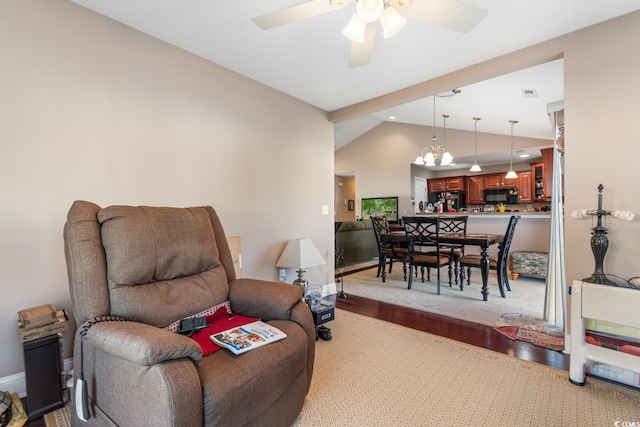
{"x": 158, "y": 265}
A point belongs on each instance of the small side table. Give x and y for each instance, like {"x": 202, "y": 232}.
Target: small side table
{"x": 43, "y": 372}
{"x": 321, "y": 316}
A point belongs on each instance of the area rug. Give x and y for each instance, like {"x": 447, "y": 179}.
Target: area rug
{"x": 526, "y": 296}
{"x": 532, "y": 330}
{"x": 58, "y": 418}
{"x": 375, "y": 373}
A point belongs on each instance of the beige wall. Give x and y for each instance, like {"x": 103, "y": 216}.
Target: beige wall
{"x": 91, "y": 109}
{"x": 345, "y": 190}
{"x": 382, "y": 159}
{"x": 602, "y": 101}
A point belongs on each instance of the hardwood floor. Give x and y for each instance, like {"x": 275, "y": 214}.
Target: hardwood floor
{"x": 459, "y": 330}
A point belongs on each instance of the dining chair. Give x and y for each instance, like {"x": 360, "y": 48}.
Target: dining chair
{"x": 424, "y": 247}
{"x": 394, "y": 252}
{"x": 453, "y": 224}
{"x": 499, "y": 263}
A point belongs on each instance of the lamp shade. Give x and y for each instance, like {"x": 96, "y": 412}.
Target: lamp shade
{"x": 391, "y": 21}
{"x": 300, "y": 253}
{"x": 447, "y": 158}
{"x": 369, "y": 10}
{"x": 355, "y": 29}
{"x": 511, "y": 174}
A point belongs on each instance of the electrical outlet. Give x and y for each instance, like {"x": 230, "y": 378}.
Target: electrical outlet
{"x": 281, "y": 275}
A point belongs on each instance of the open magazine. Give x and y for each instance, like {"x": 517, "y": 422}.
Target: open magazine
{"x": 247, "y": 337}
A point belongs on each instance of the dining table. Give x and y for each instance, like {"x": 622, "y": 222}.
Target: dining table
{"x": 483, "y": 241}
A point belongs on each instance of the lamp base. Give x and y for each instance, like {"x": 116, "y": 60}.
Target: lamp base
{"x": 600, "y": 278}
{"x": 302, "y": 282}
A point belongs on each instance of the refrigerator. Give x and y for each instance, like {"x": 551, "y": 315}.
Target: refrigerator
{"x": 452, "y": 201}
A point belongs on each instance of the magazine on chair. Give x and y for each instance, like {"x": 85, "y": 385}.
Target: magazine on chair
{"x": 247, "y": 337}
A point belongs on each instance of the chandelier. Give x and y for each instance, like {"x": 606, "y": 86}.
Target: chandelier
{"x": 429, "y": 155}
{"x": 368, "y": 11}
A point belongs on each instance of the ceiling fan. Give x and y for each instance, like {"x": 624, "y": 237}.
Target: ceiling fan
{"x": 363, "y": 25}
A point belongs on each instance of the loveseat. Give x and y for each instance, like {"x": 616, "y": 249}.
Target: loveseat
{"x": 358, "y": 241}
{"x": 149, "y": 267}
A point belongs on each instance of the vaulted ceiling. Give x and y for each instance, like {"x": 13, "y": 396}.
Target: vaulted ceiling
{"x": 308, "y": 59}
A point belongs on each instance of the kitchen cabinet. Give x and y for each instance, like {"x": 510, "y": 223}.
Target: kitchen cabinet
{"x": 542, "y": 173}
{"x": 525, "y": 187}
{"x": 547, "y": 160}
{"x": 454, "y": 183}
{"x": 475, "y": 188}
{"x": 436, "y": 185}
{"x": 537, "y": 174}
{"x": 498, "y": 180}
{"x": 493, "y": 181}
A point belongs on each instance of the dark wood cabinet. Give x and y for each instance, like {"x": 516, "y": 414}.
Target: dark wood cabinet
{"x": 547, "y": 160}
{"x": 537, "y": 175}
{"x": 436, "y": 185}
{"x": 455, "y": 183}
{"x": 510, "y": 182}
{"x": 542, "y": 175}
{"x": 493, "y": 181}
{"x": 498, "y": 180}
{"x": 525, "y": 187}
{"x": 475, "y": 189}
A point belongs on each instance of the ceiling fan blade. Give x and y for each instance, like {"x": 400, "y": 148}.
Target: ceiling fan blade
{"x": 446, "y": 13}
{"x": 361, "y": 52}
{"x": 297, "y": 13}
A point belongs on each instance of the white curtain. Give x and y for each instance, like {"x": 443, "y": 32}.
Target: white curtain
{"x": 555, "y": 292}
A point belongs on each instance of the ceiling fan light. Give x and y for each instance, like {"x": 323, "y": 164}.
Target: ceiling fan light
{"x": 369, "y": 10}
{"x": 475, "y": 168}
{"x": 511, "y": 174}
{"x": 354, "y": 31}
{"x": 391, "y": 21}
{"x": 447, "y": 158}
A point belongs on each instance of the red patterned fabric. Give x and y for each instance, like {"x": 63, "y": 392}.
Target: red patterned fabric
{"x": 619, "y": 344}
{"x": 216, "y": 325}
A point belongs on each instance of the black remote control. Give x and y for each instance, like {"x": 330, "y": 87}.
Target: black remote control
{"x": 192, "y": 324}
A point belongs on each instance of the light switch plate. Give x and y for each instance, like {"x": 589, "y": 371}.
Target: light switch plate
{"x": 325, "y": 209}
{"x": 281, "y": 275}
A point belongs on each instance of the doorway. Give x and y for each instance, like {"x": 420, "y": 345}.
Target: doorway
{"x": 345, "y": 198}
{"x": 419, "y": 193}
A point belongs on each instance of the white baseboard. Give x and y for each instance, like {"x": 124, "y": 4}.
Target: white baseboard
{"x": 17, "y": 383}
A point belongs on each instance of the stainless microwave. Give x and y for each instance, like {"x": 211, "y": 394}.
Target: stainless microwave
{"x": 507, "y": 196}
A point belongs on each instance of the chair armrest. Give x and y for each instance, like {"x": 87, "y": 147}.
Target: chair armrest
{"x": 263, "y": 299}
{"x": 140, "y": 343}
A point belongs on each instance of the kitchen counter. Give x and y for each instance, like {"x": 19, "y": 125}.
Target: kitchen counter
{"x": 497, "y": 215}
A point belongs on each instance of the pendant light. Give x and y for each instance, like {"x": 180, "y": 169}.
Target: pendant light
{"x": 447, "y": 158}
{"x": 511, "y": 174}
{"x": 476, "y": 166}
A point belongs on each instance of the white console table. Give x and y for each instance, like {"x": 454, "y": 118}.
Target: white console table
{"x": 606, "y": 303}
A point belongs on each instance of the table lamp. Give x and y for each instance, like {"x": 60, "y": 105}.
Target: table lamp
{"x": 300, "y": 253}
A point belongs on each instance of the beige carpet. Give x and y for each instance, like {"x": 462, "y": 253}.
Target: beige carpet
{"x": 526, "y": 296}
{"x": 375, "y": 373}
